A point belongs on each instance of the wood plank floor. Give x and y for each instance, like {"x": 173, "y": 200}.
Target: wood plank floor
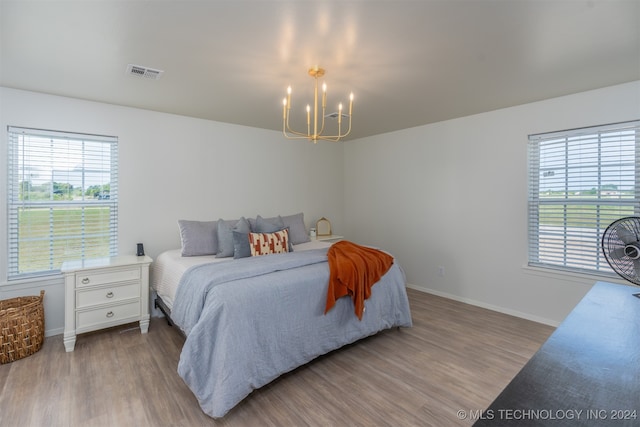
{"x": 456, "y": 357}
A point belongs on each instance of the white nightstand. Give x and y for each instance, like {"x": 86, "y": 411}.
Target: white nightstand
{"x": 330, "y": 238}
{"x": 105, "y": 292}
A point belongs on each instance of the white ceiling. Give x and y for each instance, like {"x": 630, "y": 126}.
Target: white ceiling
{"x": 408, "y": 63}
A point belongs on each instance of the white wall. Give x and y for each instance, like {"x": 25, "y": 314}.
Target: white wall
{"x": 173, "y": 167}
{"x": 454, "y": 194}
{"x": 451, "y": 194}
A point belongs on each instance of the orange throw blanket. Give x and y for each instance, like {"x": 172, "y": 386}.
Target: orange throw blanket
{"x": 353, "y": 270}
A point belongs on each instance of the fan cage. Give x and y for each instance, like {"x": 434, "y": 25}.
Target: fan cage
{"x": 613, "y": 247}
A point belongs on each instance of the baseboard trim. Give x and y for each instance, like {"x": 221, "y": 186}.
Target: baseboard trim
{"x": 485, "y": 305}
{"x": 53, "y": 332}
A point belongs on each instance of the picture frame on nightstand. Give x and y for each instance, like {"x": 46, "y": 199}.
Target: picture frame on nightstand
{"x": 323, "y": 227}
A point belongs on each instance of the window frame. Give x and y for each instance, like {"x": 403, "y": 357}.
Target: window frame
{"x": 87, "y": 209}
{"x": 584, "y": 219}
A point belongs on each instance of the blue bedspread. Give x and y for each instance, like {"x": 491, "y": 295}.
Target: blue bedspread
{"x": 253, "y": 319}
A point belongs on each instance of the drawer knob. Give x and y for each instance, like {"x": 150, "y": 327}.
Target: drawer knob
{"x": 109, "y": 294}
{"x": 85, "y": 280}
{"x": 110, "y": 314}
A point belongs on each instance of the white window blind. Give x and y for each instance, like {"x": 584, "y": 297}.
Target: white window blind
{"x": 62, "y": 199}
{"x": 580, "y": 181}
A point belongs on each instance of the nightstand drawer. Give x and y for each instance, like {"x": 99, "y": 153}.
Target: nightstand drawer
{"x": 109, "y": 294}
{"x": 91, "y": 278}
{"x": 101, "y": 317}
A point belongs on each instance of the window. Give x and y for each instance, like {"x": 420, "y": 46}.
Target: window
{"x": 62, "y": 199}
{"x": 580, "y": 181}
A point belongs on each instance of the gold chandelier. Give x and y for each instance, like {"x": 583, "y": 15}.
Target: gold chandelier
{"x": 317, "y": 133}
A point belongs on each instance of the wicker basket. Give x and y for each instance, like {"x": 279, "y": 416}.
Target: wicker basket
{"x": 21, "y": 327}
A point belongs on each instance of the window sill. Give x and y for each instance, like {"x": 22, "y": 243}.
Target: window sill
{"x": 31, "y": 283}
{"x": 589, "y": 278}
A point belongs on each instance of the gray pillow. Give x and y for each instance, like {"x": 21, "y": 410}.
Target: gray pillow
{"x": 267, "y": 225}
{"x": 297, "y": 229}
{"x": 225, "y": 235}
{"x": 198, "y": 237}
{"x": 241, "y": 246}
{"x": 271, "y": 225}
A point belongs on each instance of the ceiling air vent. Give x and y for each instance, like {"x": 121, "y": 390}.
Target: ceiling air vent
{"x": 335, "y": 115}
{"x": 145, "y": 72}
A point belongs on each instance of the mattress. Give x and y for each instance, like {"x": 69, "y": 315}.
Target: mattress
{"x": 169, "y": 266}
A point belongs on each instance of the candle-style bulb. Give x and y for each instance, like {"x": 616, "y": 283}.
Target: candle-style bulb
{"x": 350, "y": 104}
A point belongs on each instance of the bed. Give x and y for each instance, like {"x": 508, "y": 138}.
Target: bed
{"x": 249, "y": 320}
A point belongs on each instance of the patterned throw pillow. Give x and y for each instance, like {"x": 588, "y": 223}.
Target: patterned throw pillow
{"x": 269, "y": 243}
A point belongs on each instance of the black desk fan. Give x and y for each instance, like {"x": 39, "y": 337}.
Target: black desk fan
{"x": 621, "y": 248}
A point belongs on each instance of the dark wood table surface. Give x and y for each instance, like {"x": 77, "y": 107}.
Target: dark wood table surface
{"x": 586, "y": 374}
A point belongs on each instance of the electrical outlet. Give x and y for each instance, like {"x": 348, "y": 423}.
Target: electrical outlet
{"x": 441, "y": 271}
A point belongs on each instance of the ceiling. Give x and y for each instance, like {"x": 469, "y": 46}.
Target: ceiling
{"x": 409, "y": 63}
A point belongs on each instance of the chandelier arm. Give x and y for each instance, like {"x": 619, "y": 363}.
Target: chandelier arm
{"x": 349, "y": 129}
{"x": 335, "y": 138}
{"x": 330, "y": 138}
{"x": 300, "y": 136}
{"x": 292, "y": 134}
{"x": 323, "y": 116}
{"x": 286, "y": 128}
{"x": 285, "y": 123}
